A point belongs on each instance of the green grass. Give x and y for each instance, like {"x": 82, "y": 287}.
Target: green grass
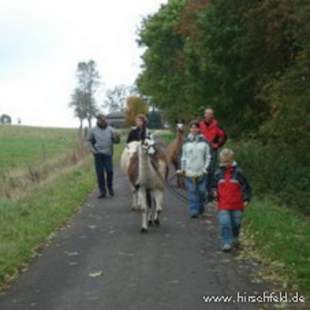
{"x": 22, "y": 146}
{"x": 282, "y": 236}
{"x": 27, "y": 223}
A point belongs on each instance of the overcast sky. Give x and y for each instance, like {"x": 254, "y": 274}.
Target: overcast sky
{"x": 41, "y": 42}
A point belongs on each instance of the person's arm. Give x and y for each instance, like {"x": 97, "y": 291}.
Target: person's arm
{"x": 90, "y": 142}
{"x": 245, "y": 187}
{"x": 220, "y": 138}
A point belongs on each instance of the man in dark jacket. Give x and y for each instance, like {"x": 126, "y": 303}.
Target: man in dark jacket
{"x": 216, "y": 138}
{"x": 100, "y": 142}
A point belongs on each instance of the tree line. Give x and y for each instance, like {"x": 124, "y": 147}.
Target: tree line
{"x": 121, "y": 98}
{"x": 248, "y": 59}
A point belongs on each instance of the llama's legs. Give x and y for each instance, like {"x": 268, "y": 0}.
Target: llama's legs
{"x": 135, "y": 199}
{"x": 159, "y": 198}
{"x": 150, "y": 216}
{"x": 182, "y": 183}
{"x": 150, "y": 207}
{"x": 144, "y": 209}
{"x": 178, "y": 181}
{"x": 144, "y": 221}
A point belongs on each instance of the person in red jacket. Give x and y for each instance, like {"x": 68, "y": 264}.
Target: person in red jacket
{"x": 232, "y": 192}
{"x": 216, "y": 138}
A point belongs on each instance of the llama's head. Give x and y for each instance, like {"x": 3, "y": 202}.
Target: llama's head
{"x": 148, "y": 145}
{"x": 180, "y": 126}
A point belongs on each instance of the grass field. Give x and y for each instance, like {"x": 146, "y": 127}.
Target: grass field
{"x": 52, "y": 174}
{"x": 281, "y": 238}
{"x": 26, "y": 224}
{"x": 22, "y": 146}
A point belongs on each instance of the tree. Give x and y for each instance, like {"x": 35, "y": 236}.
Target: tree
{"x": 83, "y": 98}
{"x": 116, "y": 98}
{"x": 154, "y": 120}
{"x": 163, "y": 76}
{"x": 242, "y": 57}
{"x": 5, "y": 119}
{"x": 79, "y": 104}
{"x": 135, "y": 106}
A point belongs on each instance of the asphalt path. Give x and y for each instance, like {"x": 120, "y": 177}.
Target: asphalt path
{"x": 102, "y": 261}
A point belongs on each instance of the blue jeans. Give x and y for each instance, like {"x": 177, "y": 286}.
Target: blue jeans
{"x": 230, "y": 223}
{"x": 104, "y": 163}
{"x": 197, "y": 194}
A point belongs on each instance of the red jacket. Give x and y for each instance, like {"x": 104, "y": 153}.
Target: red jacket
{"x": 213, "y": 133}
{"x": 232, "y": 188}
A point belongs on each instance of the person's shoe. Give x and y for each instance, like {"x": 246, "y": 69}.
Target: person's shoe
{"x": 111, "y": 192}
{"x": 101, "y": 195}
{"x": 226, "y": 248}
{"x": 194, "y": 216}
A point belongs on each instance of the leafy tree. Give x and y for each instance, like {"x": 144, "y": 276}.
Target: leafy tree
{"x": 163, "y": 76}
{"x": 83, "y": 98}
{"x": 116, "y": 98}
{"x": 154, "y": 120}
{"x": 79, "y": 103}
{"x": 135, "y": 105}
{"x": 287, "y": 93}
{"x": 241, "y": 57}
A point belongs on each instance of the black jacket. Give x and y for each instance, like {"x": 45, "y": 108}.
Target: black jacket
{"x": 137, "y": 134}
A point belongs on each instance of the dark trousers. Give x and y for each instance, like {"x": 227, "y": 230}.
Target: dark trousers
{"x": 212, "y": 169}
{"x": 104, "y": 165}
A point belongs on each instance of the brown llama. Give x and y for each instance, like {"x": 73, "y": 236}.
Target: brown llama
{"x": 174, "y": 150}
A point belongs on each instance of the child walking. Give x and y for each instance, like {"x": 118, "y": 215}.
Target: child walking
{"x": 233, "y": 193}
{"x": 195, "y": 161}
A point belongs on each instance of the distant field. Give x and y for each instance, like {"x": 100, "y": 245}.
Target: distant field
{"x": 22, "y": 146}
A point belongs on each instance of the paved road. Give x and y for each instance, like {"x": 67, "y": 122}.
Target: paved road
{"x": 102, "y": 262}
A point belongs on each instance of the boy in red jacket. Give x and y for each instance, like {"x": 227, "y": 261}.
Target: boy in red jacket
{"x": 233, "y": 193}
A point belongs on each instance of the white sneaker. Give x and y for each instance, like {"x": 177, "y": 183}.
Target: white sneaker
{"x": 226, "y": 248}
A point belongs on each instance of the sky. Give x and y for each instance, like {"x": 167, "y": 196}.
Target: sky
{"x": 41, "y": 42}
